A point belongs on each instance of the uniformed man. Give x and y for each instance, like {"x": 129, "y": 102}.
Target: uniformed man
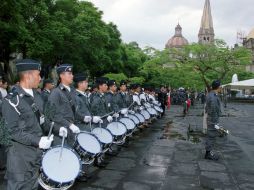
{"x": 162, "y": 98}
{"x": 22, "y": 111}
{"x": 83, "y": 116}
{"x": 99, "y": 105}
{"x": 135, "y": 95}
{"x": 213, "y": 111}
{"x": 110, "y": 97}
{"x": 121, "y": 96}
{"x": 63, "y": 100}
{"x": 48, "y": 85}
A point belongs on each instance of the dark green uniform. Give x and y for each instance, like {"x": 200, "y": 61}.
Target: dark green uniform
{"x": 121, "y": 100}
{"x": 99, "y": 106}
{"x": 111, "y": 102}
{"x": 24, "y": 156}
{"x": 213, "y": 109}
{"x": 83, "y": 109}
{"x": 64, "y": 103}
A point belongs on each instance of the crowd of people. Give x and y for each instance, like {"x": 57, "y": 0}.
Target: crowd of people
{"x": 39, "y": 119}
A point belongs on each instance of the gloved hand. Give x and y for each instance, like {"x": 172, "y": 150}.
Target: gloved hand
{"x": 131, "y": 112}
{"x": 87, "y": 119}
{"x": 74, "y": 128}
{"x": 45, "y": 143}
{"x": 63, "y": 132}
{"x": 97, "y": 119}
{"x": 217, "y": 126}
{"x": 124, "y": 111}
{"x": 110, "y": 118}
{"x": 141, "y": 107}
{"x": 116, "y": 115}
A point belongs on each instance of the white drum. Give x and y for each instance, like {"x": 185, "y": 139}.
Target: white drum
{"x": 104, "y": 136}
{"x": 59, "y": 172}
{"x": 146, "y": 114}
{"x": 152, "y": 111}
{"x": 140, "y": 117}
{"x": 129, "y": 124}
{"x": 134, "y": 118}
{"x": 118, "y": 130}
{"x": 87, "y": 146}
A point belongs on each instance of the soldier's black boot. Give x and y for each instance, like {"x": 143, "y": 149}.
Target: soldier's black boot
{"x": 210, "y": 155}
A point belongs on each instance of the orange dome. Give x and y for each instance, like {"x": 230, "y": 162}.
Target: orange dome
{"x": 177, "y": 41}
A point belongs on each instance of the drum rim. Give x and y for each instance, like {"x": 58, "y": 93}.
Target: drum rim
{"x": 145, "y": 112}
{"x": 136, "y": 118}
{"x": 122, "y": 124}
{"x": 112, "y": 138}
{"x": 130, "y": 120}
{"x": 72, "y": 150}
{"x": 76, "y": 139}
{"x": 141, "y": 116}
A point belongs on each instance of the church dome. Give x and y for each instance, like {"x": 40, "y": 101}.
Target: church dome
{"x": 251, "y": 34}
{"x": 177, "y": 41}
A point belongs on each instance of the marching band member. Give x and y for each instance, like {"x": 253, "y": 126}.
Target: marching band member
{"x": 63, "y": 100}
{"x": 22, "y": 110}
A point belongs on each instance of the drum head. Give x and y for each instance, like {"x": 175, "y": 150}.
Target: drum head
{"x": 103, "y": 135}
{"x": 89, "y": 143}
{"x": 152, "y": 111}
{"x": 117, "y": 128}
{"x": 140, "y": 117}
{"x": 62, "y": 170}
{"x": 134, "y": 118}
{"x": 145, "y": 114}
{"x": 128, "y": 123}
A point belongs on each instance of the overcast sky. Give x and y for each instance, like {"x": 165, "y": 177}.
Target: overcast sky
{"x": 152, "y": 22}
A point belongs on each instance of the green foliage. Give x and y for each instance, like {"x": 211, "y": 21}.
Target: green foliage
{"x": 116, "y": 77}
{"x": 139, "y": 80}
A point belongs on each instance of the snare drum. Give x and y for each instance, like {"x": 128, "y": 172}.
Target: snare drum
{"x": 146, "y": 114}
{"x": 129, "y": 124}
{"x": 140, "y": 117}
{"x": 59, "y": 173}
{"x": 134, "y": 118}
{"x": 87, "y": 146}
{"x": 158, "y": 108}
{"x": 152, "y": 111}
{"x": 104, "y": 136}
{"x": 118, "y": 130}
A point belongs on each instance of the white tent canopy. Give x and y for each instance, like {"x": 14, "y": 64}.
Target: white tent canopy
{"x": 241, "y": 85}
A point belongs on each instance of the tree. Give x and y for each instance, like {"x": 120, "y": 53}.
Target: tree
{"x": 213, "y": 61}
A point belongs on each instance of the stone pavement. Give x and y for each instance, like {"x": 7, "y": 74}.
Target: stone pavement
{"x": 169, "y": 155}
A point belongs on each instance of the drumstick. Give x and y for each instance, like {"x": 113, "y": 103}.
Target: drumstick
{"x": 107, "y": 114}
{"x": 90, "y": 125}
{"x": 61, "y": 152}
{"x": 51, "y": 128}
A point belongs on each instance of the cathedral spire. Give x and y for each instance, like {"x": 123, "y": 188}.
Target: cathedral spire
{"x": 206, "y": 31}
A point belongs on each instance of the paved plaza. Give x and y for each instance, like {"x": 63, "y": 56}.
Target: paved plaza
{"x": 169, "y": 155}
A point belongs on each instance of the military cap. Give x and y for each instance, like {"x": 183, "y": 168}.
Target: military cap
{"x": 134, "y": 86}
{"x": 111, "y": 82}
{"x": 79, "y": 77}
{"x": 27, "y": 65}
{"x": 123, "y": 82}
{"x": 64, "y": 68}
{"x": 216, "y": 84}
{"x": 48, "y": 81}
{"x": 102, "y": 80}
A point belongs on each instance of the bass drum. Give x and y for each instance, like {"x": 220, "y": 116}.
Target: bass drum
{"x": 59, "y": 168}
